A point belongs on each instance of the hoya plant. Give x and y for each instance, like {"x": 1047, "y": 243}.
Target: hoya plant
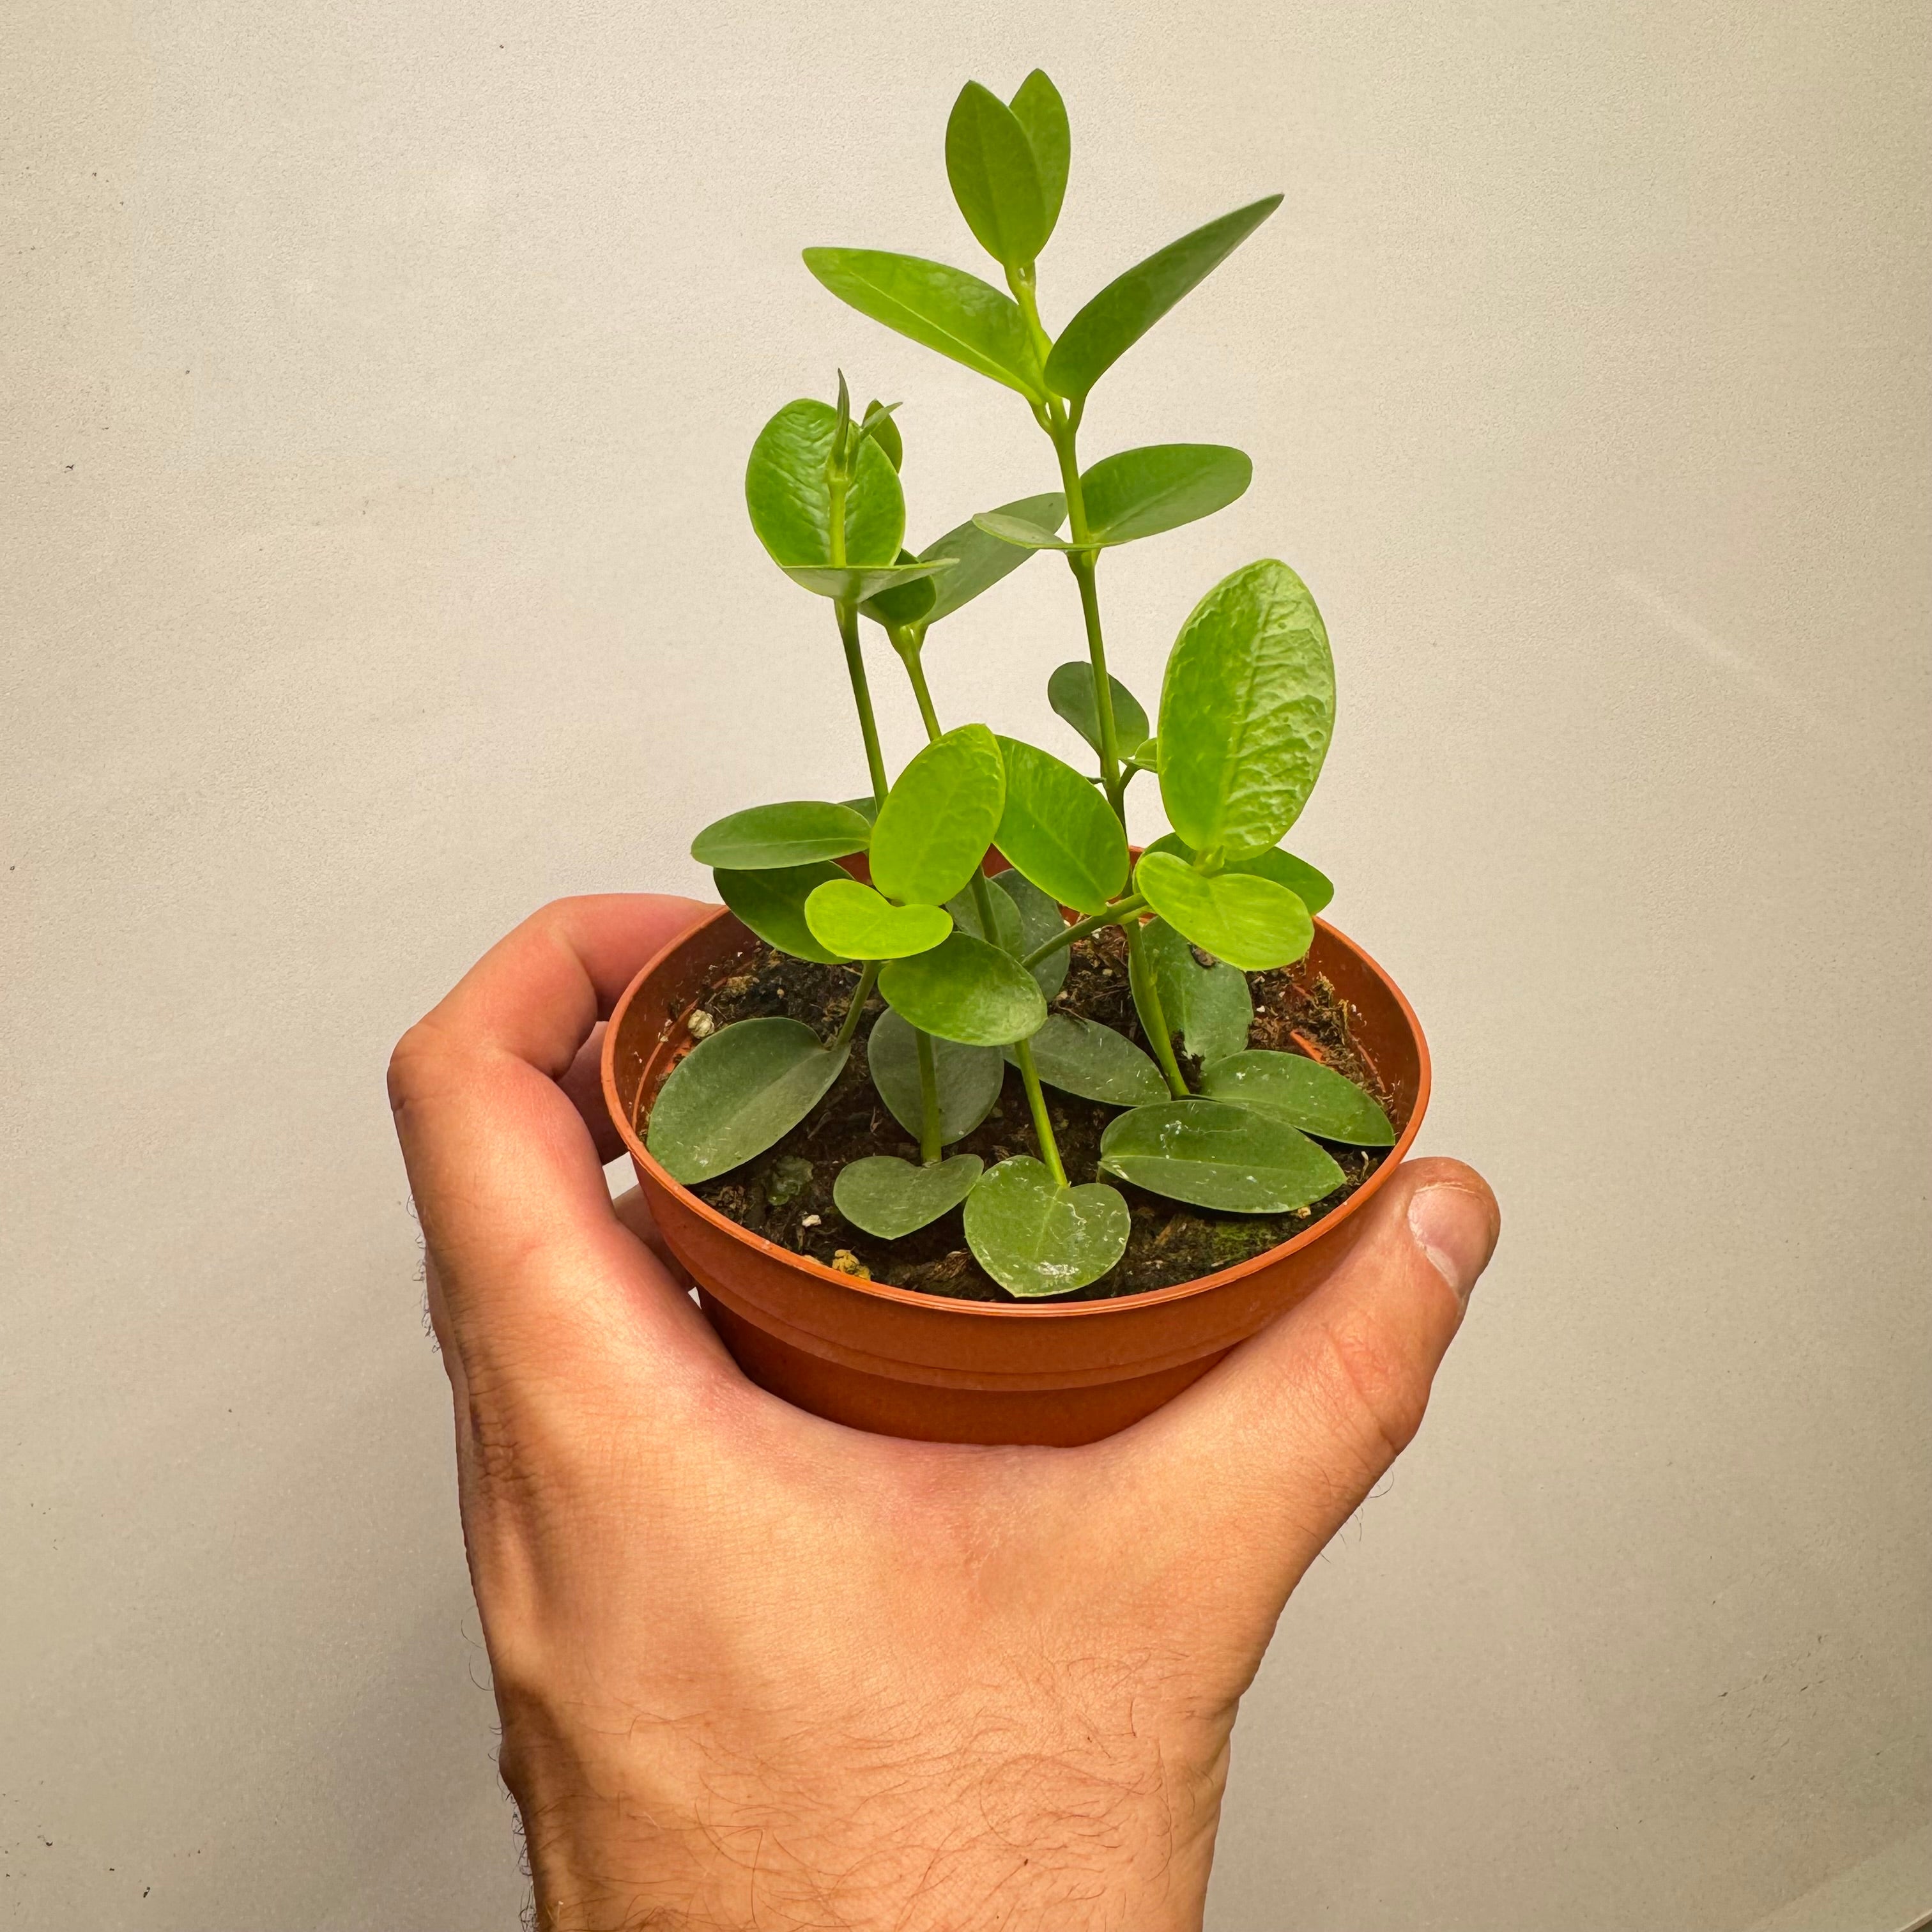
{"x": 897, "y": 884}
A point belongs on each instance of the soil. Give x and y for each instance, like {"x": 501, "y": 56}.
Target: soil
{"x": 785, "y": 1194}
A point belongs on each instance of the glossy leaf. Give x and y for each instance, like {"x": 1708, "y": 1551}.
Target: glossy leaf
{"x": 942, "y": 308}
{"x": 1070, "y": 691}
{"x": 771, "y": 903}
{"x": 1021, "y": 534}
{"x": 1302, "y": 1092}
{"x": 898, "y": 607}
{"x": 1006, "y": 934}
{"x": 981, "y": 560}
{"x": 1145, "y": 757}
{"x": 967, "y": 991}
{"x": 881, "y": 427}
{"x": 735, "y": 1093}
{"x": 1128, "y": 306}
{"x": 1313, "y": 889}
{"x": 1041, "y": 919}
{"x": 1081, "y": 1056}
{"x": 790, "y": 501}
{"x": 968, "y": 1079}
{"x": 889, "y": 1197}
{"x": 1058, "y": 831}
{"x": 1209, "y": 1006}
{"x": 1142, "y": 492}
{"x": 867, "y": 807}
{"x": 939, "y": 818}
{"x": 995, "y": 179}
{"x": 854, "y": 585}
{"x": 1214, "y": 1155}
{"x": 794, "y": 833}
{"x": 1039, "y": 109}
{"x": 1251, "y": 923}
{"x": 1036, "y": 1239}
{"x": 1246, "y": 710}
{"x": 854, "y": 920}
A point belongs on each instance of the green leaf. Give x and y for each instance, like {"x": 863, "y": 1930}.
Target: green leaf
{"x": 889, "y": 1197}
{"x": 1145, "y": 757}
{"x": 1082, "y": 1056}
{"x": 1246, "y": 711}
{"x": 1302, "y": 1092}
{"x": 982, "y": 560}
{"x": 854, "y": 585}
{"x": 771, "y": 903}
{"x": 995, "y": 179}
{"x": 942, "y": 308}
{"x": 1313, "y": 889}
{"x": 1128, "y": 306}
{"x": 1019, "y": 533}
{"x": 1040, "y": 919}
{"x": 1059, "y": 831}
{"x": 1251, "y": 923}
{"x": 900, "y": 607}
{"x": 939, "y": 818}
{"x": 1039, "y": 109}
{"x": 1214, "y": 1155}
{"x": 1006, "y": 934}
{"x": 732, "y": 1095}
{"x": 1070, "y": 691}
{"x": 881, "y": 427}
{"x": 1209, "y": 1006}
{"x": 967, "y": 991}
{"x": 1142, "y": 492}
{"x": 867, "y": 807}
{"x": 1036, "y": 1239}
{"x": 790, "y": 501}
{"x": 968, "y": 1079}
{"x": 855, "y": 921}
{"x": 791, "y": 834}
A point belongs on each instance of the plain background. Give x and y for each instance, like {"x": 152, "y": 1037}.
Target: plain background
{"x": 378, "y": 381}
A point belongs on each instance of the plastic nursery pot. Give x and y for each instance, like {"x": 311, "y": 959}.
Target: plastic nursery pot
{"x": 899, "y": 1363}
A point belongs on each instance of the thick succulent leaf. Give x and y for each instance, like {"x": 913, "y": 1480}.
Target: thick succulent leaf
{"x": 1302, "y": 1092}
{"x": 1142, "y": 492}
{"x": 735, "y": 1093}
{"x": 1020, "y": 533}
{"x": 854, "y": 584}
{"x": 1036, "y": 1239}
{"x": 1039, "y": 109}
{"x": 980, "y": 560}
{"x": 791, "y": 501}
{"x": 1246, "y": 710}
{"x": 1058, "y": 831}
{"x": 942, "y": 308}
{"x": 1312, "y": 888}
{"x": 995, "y": 178}
{"x": 771, "y": 903}
{"x": 905, "y": 604}
{"x": 1209, "y": 1006}
{"x": 968, "y": 1079}
{"x": 967, "y": 991}
{"x": 1214, "y": 1155}
{"x": 794, "y": 833}
{"x": 881, "y": 427}
{"x": 889, "y": 1197}
{"x": 939, "y": 818}
{"x": 1128, "y": 306}
{"x": 1081, "y": 1056}
{"x": 858, "y": 923}
{"x": 1070, "y": 691}
{"x": 1251, "y": 923}
{"x": 1041, "y": 919}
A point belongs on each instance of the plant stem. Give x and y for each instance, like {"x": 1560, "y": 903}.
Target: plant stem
{"x": 1118, "y": 914}
{"x": 1154, "y": 1015}
{"x": 928, "y": 1100}
{"x": 906, "y": 642}
{"x": 1042, "y": 1127}
{"x": 849, "y": 1025}
{"x": 861, "y": 696}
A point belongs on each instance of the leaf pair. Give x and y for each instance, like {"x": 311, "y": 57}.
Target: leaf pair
{"x": 1007, "y": 165}
{"x": 978, "y": 560}
{"x": 1140, "y": 493}
{"x": 1070, "y": 692}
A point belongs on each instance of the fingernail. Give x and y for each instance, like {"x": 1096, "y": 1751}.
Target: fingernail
{"x": 1451, "y": 1228}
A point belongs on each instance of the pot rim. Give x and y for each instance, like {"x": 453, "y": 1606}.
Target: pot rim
{"x": 1152, "y": 1298}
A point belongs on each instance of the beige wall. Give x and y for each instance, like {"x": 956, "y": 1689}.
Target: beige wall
{"x": 378, "y": 379}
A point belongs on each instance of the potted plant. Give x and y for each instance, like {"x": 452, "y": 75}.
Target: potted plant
{"x": 970, "y": 1120}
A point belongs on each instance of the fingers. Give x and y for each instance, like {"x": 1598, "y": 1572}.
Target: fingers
{"x": 532, "y": 1261}
{"x": 1273, "y": 1451}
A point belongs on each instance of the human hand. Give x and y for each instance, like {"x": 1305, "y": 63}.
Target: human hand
{"x": 756, "y": 1670}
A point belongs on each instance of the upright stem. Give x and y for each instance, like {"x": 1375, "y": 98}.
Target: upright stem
{"x": 906, "y": 642}
{"x": 928, "y": 1100}
{"x": 1154, "y": 1016}
{"x": 861, "y": 696}
{"x": 849, "y": 1025}
{"x": 1042, "y": 1127}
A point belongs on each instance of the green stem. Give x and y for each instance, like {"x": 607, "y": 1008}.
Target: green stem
{"x": 861, "y": 696}
{"x": 906, "y": 642}
{"x": 1042, "y": 1127}
{"x": 1154, "y": 1016}
{"x": 1118, "y": 914}
{"x": 849, "y": 1025}
{"x": 928, "y": 1100}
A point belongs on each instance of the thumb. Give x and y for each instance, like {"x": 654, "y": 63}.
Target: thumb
{"x": 1280, "y": 1443}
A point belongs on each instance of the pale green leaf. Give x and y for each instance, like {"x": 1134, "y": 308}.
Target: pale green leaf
{"x": 1039, "y": 109}
{"x": 855, "y": 583}
{"x": 1036, "y": 1239}
{"x": 1070, "y": 692}
{"x": 1251, "y": 923}
{"x": 790, "y": 501}
{"x": 794, "y": 833}
{"x": 1058, "y": 831}
{"x": 1302, "y": 1092}
{"x": 771, "y": 903}
{"x": 857, "y": 922}
{"x": 1312, "y": 888}
{"x": 939, "y": 818}
{"x": 967, "y": 991}
{"x": 735, "y": 1093}
{"x": 995, "y": 179}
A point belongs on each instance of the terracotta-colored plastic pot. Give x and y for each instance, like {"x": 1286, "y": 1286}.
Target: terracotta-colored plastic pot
{"x": 899, "y": 1363}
